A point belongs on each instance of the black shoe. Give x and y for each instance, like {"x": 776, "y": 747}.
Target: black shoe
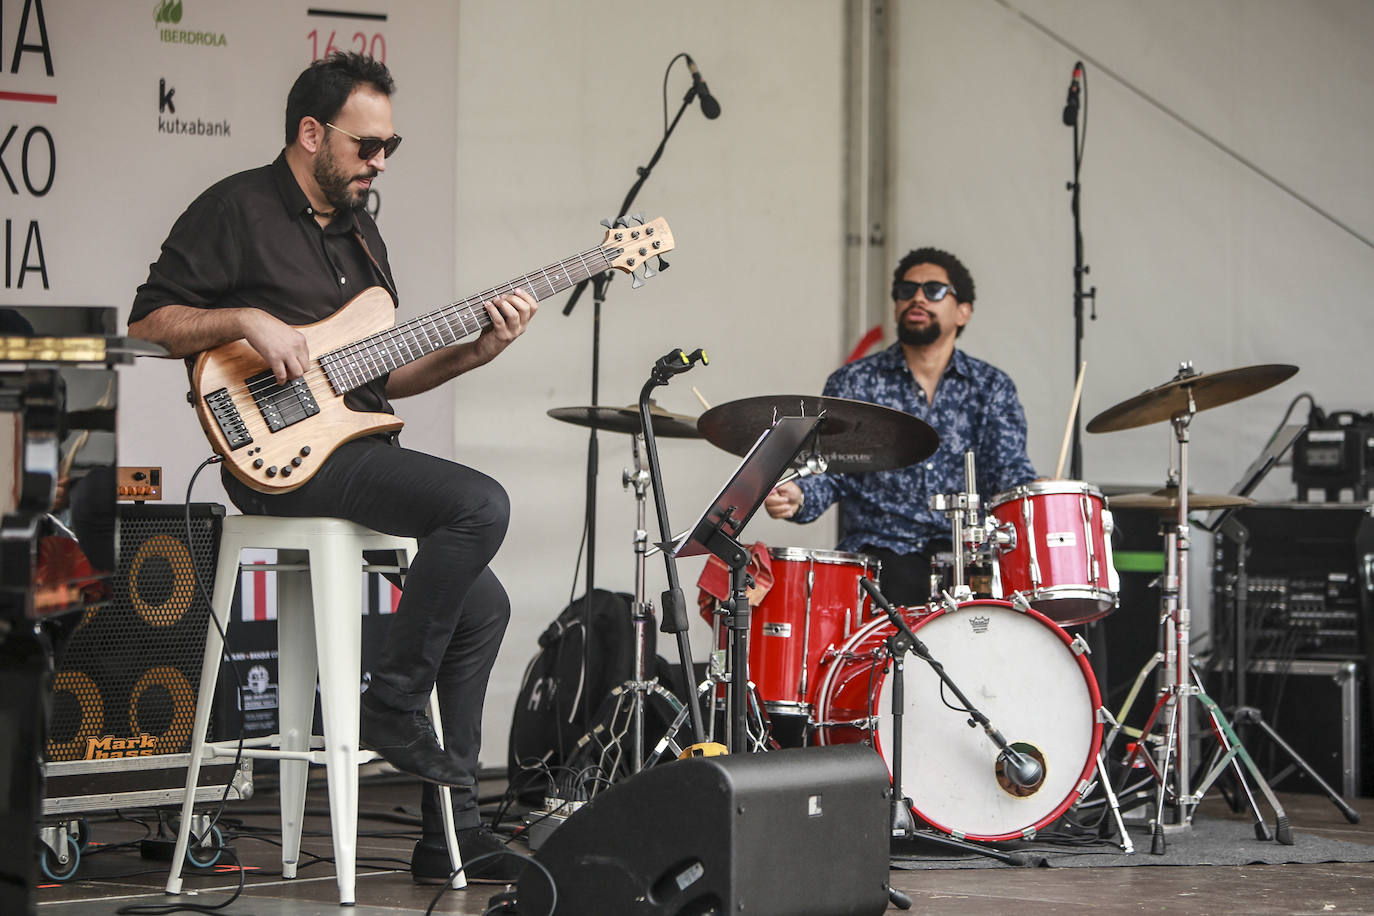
{"x": 405, "y": 739}
{"x": 429, "y": 863}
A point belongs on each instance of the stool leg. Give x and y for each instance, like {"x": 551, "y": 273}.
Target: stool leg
{"x": 296, "y": 669}
{"x": 226, "y": 575}
{"x": 338, "y": 595}
{"x": 455, "y": 858}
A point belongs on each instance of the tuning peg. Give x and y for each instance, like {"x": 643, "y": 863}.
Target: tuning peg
{"x": 662, "y": 264}
{"x": 649, "y": 272}
{"x": 623, "y": 222}
{"x": 639, "y": 217}
{"x": 607, "y": 223}
{"x": 635, "y": 280}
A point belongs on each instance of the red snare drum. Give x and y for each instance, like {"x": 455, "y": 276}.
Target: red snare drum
{"x": 1019, "y": 668}
{"x": 1061, "y": 554}
{"x": 815, "y": 604}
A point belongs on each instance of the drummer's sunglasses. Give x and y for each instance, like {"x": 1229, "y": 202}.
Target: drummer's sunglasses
{"x": 371, "y": 146}
{"x": 934, "y": 290}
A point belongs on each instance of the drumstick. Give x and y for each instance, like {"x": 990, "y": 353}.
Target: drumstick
{"x": 1068, "y": 427}
{"x": 704, "y": 404}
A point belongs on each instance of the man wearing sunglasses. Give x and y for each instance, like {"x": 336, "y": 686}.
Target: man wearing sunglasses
{"x": 970, "y": 403}
{"x": 289, "y": 244}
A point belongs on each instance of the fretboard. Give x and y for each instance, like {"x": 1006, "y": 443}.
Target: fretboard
{"x": 360, "y": 362}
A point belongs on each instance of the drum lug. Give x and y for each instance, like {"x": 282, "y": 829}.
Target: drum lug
{"x": 1080, "y": 645}
{"x": 1105, "y": 717}
{"x": 1028, "y": 833}
{"x": 1003, "y": 537}
{"x": 1084, "y": 785}
{"x": 1020, "y": 602}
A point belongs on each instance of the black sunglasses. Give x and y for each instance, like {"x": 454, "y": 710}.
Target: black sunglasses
{"x": 371, "y": 146}
{"x": 934, "y": 290}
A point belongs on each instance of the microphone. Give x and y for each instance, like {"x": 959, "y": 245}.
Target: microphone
{"x": 1071, "y": 103}
{"x": 878, "y": 597}
{"x": 1023, "y": 770}
{"x": 709, "y": 106}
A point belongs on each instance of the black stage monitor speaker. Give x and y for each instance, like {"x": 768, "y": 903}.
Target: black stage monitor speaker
{"x": 789, "y": 833}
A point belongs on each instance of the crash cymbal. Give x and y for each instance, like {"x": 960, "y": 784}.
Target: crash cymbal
{"x": 1211, "y": 389}
{"x": 626, "y": 420}
{"x": 1166, "y": 500}
{"x": 854, "y": 436}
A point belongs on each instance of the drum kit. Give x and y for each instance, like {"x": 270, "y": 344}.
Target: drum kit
{"x": 823, "y": 662}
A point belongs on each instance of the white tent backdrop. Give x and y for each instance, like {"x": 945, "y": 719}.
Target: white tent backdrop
{"x": 1225, "y": 212}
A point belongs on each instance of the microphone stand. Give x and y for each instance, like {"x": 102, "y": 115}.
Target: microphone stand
{"x": 1079, "y": 271}
{"x": 674, "y": 604}
{"x": 903, "y": 825}
{"x": 600, "y": 284}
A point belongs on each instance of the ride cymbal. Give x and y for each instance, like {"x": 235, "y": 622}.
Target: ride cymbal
{"x": 853, "y": 436}
{"x": 1166, "y": 500}
{"x": 626, "y": 420}
{"x": 1211, "y": 389}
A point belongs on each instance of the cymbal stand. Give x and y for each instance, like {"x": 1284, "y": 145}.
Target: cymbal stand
{"x": 1180, "y": 683}
{"x": 642, "y": 611}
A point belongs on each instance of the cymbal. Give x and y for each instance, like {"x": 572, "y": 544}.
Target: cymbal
{"x": 854, "y": 436}
{"x": 1211, "y": 389}
{"x": 626, "y": 420}
{"x": 1166, "y": 500}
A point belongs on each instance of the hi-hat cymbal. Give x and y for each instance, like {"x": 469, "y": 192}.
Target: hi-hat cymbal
{"x": 1166, "y": 500}
{"x": 626, "y": 420}
{"x": 854, "y": 436}
{"x": 1211, "y": 389}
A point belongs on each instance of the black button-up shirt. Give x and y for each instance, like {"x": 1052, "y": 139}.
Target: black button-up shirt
{"x": 251, "y": 241}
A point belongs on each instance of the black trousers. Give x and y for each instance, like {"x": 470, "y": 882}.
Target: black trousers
{"x": 453, "y": 611}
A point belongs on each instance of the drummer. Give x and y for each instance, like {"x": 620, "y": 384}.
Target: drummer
{"x": 971, "y": 404}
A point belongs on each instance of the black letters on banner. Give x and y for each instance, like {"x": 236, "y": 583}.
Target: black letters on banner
{"x": 31, "y": 6}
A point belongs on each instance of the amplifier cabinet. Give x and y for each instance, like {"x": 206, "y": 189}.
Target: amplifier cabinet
{"x": 124, "y": 689}
{"x": 1298, "y": 576}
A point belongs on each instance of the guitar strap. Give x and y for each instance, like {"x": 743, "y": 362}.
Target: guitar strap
{"x": 377, "y": 268}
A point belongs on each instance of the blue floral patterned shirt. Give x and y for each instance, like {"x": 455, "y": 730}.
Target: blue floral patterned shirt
{"x": 975, "y": 407}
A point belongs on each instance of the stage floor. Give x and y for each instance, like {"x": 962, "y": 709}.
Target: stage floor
{"x": 110, "y": 879}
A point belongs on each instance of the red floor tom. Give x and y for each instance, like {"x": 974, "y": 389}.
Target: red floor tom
{"x": 1021, "y": 670}
{"x": 815, "y": 604}
{"x": 1060, "y": 553}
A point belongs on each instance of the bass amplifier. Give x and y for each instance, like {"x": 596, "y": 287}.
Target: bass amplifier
{"x": 124, "y": 690}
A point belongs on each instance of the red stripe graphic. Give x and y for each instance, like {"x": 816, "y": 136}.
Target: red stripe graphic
{"x": 28, "y": 97}
{"x": 259, "y": 593}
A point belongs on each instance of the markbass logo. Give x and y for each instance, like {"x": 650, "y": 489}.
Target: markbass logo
{"x": 169, "y": 12}
{"x": 109, "y": 747}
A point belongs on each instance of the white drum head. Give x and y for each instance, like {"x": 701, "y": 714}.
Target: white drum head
{"x": 1017, "y": 670}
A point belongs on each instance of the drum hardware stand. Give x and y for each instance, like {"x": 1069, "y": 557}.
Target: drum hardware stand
{"x": 759, "y": 735}
{"x": 957, "y": 507}
{"x": 1180, "y": 683}
{"x": 642, "y": 611}
{"x": 1243, "y": 714}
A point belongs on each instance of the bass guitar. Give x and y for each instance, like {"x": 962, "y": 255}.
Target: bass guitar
{"x": 275, "y": 437}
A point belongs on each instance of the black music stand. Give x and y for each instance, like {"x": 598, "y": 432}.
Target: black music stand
{"x": 717, "y": 533}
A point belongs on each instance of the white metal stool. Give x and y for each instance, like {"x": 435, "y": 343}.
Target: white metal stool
{"x": 319, "y": 627}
